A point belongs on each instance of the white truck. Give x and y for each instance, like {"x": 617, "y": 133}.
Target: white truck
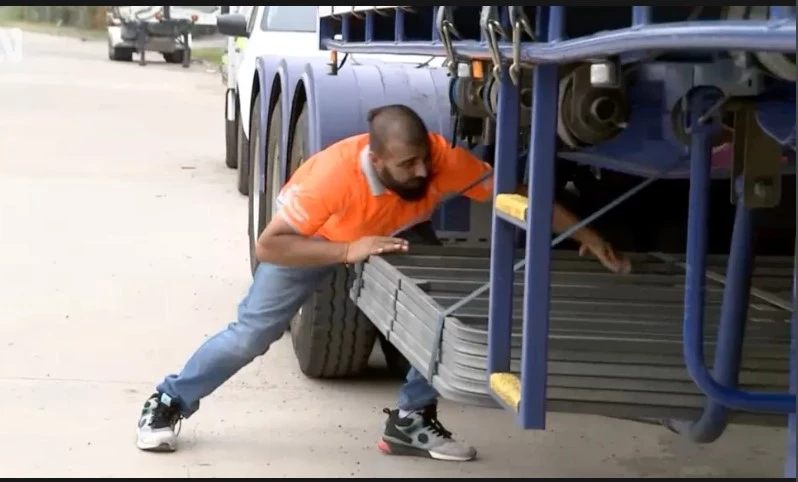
{"x": 255, "y": 31}
{"x": 233, "y": 51}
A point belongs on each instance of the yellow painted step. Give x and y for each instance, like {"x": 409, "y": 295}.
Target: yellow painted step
{"x": 507, "y": 386}
{"x": 514, "y": 205}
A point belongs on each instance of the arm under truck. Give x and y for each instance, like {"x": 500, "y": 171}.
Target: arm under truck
{"x": 673, "y": 126}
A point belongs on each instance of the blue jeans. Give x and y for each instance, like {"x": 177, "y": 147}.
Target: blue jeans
{"x": 276, "y": 294}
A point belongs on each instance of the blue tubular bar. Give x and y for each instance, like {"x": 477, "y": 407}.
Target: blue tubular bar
{"x": 700, "y": 101}
{"x": 502, "y": 247}
{"x": 641, "y": 15}
{"x": 751, "y": 35}
{"x": 731, "y": 330}
{"x": 789, "y": 466}
{"x": 781, "y": 11}
{"x": 542, "y": 152}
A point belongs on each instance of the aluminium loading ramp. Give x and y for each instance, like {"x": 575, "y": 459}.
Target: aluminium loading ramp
{"x": 615, "y": 344}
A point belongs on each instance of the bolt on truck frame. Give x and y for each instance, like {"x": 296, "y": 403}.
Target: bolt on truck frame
{"x": 672, "y": 129}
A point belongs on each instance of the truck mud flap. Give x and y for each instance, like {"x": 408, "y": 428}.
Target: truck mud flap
{"x": 615, "y": 344}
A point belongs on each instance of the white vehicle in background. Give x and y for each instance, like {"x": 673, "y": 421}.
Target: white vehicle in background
{"x": 233, "y": 51}
{"x": 269, "y": 30}
{"x": 232, "y": 61}
{"x": 285, "y": 31}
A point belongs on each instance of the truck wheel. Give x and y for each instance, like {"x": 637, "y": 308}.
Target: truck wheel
{"x": 175, "y": 57}
{"x": 332, "y": 338}
{"x": 119, "y": 54}
{"x": 260, "y": 203}
{"x": 231, "y": 133}
{"x": 242, "y": 181}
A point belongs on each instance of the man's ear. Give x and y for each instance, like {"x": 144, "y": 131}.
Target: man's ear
{"x": 373, "y": 158}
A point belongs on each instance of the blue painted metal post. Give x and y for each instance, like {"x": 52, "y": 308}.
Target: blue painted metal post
{"x": 369, "y": 26}
{"x": 731, "y": 329}
{"x": 641, "y": 15}
{"x": 542, "y": 151}
{"x": 701, "y": 101}
{"x": 399, "y": 25}
{"x": 502, "y": 250}
{"x": 781, "y": 11}
{"x": 789, "y": 466}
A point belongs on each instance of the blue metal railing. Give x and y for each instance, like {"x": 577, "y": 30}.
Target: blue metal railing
{"x": 789, "y": 466}
{"x": 721, "y": 392}
{"x": 701, "y": 101}
{"x": 733, "y": 318}
{"x": 776, "y": 34}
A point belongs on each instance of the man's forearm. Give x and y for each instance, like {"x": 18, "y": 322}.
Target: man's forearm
{"x": 299, "y": 251}
{"x": 562, "y": 219}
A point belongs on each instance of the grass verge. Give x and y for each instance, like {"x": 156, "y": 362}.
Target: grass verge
{"x": 212, "y": 55}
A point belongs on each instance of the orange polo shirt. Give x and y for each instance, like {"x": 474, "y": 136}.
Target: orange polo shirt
{"x": 337, "y": 195}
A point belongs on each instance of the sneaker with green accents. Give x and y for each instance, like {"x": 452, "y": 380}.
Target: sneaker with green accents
{"x": 420, "y": 434}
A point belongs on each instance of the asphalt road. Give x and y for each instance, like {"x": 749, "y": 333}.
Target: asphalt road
{"x": 123, "y": 246}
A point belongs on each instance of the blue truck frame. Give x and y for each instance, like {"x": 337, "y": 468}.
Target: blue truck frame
{"x": 650, "y": 145}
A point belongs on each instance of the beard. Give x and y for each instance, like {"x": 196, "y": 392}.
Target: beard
{"x": 413, "y": 190}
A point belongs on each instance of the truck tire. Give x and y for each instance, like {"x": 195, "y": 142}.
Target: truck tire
{"x": 332, "y": 338}
{"x": 231, "y": 135}
{"x": 119, "y": 54}
{"x": 260, "y": 204}
{"x": 242, "y": 179}
{"x": 175, "y": 57}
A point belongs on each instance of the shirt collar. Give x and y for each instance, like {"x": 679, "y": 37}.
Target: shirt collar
{"x": 367, "y": 167}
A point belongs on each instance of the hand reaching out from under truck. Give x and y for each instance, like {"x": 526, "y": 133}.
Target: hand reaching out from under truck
{"x": 465, "y": 168}
{"x": 605, "y": 253}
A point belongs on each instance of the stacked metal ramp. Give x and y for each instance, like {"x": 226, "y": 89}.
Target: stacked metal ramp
{"x": 615, "y": 341}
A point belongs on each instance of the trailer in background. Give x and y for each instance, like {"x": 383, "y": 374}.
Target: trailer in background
{"x": 134, "y": 29}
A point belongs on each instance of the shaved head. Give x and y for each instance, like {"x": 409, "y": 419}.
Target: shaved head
{"x": 399, "y": 145}
{"x": 397, "y": 123}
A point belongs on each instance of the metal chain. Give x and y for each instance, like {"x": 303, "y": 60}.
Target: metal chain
{"x": 447, "y": 30}
{"x": 520, "y": 23}
{"x": 492, "y": 29}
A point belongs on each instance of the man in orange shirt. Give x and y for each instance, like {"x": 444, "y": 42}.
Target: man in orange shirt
{"x": 343, "y": 205}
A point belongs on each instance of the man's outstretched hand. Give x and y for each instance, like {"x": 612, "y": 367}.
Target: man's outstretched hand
{"x": 606, "y": 254}
{"x": 361, "y": 249}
